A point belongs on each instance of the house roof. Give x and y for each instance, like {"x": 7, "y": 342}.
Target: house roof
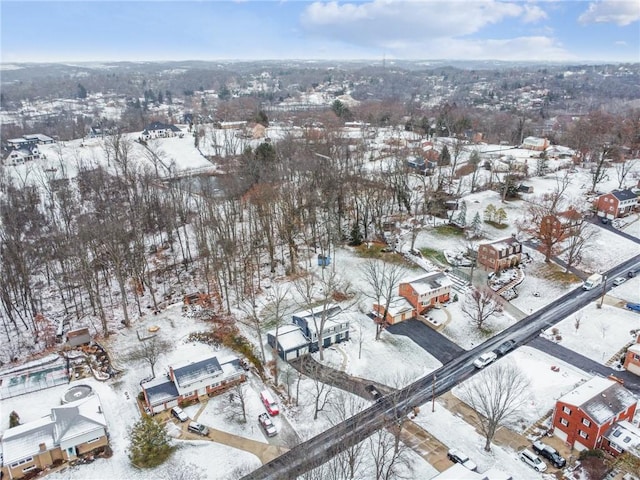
{"x": 329, "y": 310}
{"x": 161, "y": 126}
{"x": 290, "y": 337}
{"x": 39, "y": 136}
{"x": 600, "y": 398}
{"x": 624, "y": 194}
{"x": 534, "y": 141}
{"x": 397, "y": 306}
{"x": 196, "y": 372}
{"x": 625, "y": 435}
{"x": 77, "y": 418}
{"x": 502, "y": 243}
{"x": 635, "y": 348}
{"x": 160, "y": 390}
{"x": 430, "y": 281}
{"x": 62, "y": 426}
{"x": 570, "y": 214}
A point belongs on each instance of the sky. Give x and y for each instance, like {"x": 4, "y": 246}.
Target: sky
{"x": 153, "y": 30}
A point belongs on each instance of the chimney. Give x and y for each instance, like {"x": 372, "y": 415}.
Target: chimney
{"x": 43, "y": 447}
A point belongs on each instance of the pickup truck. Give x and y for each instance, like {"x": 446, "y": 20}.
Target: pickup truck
{"x": 267, "y": 425}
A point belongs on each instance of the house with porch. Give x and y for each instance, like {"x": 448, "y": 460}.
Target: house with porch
{"x": 582, "y": 417}
{"x": 22, "y": 155}
{"x": 500, "y": 254}
{"x": 190, "y": 381}
{"x": 67, "y": 433}
{"x": 617, "y": 203}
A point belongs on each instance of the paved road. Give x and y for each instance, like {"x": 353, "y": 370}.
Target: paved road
{"x": 398, "y": 404}
{"x": 426, "y": 337}
{"x": 631, "y": 381}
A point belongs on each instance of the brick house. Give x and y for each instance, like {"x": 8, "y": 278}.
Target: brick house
{"x": 583, "y": 416}
{"x": 70, "y": 431}
{"x": 561, "y": 225}
{"x": 622, "y": 437}
{"x": 618, "y": 203}
{"x": 399, "y": 310}
{"x": 632, "y": 358}
{"x": 500, "y": 254}
{"x": 426, "y": 291}
{"x": 190, "y": 381}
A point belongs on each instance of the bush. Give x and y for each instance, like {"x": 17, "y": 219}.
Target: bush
{"x": 591, "y": 453}
{"x": 14, "y": 419}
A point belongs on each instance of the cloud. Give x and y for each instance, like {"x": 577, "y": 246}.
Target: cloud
{"x": 620, "y": 12}
{"x": 380, "y": 21}
{"x": 621, "y": 43}
{"x": 533, "y": 13}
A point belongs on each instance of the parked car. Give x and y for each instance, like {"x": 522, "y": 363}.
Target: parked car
{"x": 604, "y": 220}
{"x": 198, "y": 428}
{"x": 456, "y": 456}
{"x": 485, "y": 359}
{"x": 549, "y": 453}
{"x": 179, "y": 414}
{"x": 631, "y": 274}
{"x": 269, "y": 402}
{"x": 267, "y": 425}
{"x": 375, "y": 393}
{"x": 634, "y": 307}
{"x": 534, "y": 461}
{"x": 619, "y": 280}
{"x": 505, "y": 347}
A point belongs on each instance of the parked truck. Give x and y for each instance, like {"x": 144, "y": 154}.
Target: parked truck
{"x": 592, "y": 282}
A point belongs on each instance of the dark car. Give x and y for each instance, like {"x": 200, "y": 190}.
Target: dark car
{"x": 604, "y": 220}
{"x": 631, "y": 274}
{"x": 549, "y": 453}
{"x": 505, "y": 347}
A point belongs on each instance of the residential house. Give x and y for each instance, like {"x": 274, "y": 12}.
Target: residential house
{"x": 535, "y": 143}
{"x": 621, "y": 438}
{"x": 632, "y": 358}
{"x": 500, "y": 254}
{"x": 190, "y": 381}
{"x": 457, "y": 471}
{"x": 39, "y": 138}
{"x": 22, "y": 155}
{"x": 561, "y": 225}
{"x": 618, "y": 203}
{"x": 291, "y": 341}
{"x": 583, "y": 416}
{"x": 426, "y": 291}
{"x": 70, "y": 431}
{"x": 399, "y": 310}
{"x": 160, "y": 130}
{"x": 336, "y": 326}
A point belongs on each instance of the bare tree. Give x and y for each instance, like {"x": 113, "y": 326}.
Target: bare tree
{"x": 150, "y": 350}
{"x": 177, "y": 469}
{"x": 276, "y": 312}
{"x": 577, "y": 243}
{"x": 344, "y": 407}
{"x": 480, "y": 304}
{"x": 322, "y": 392}
{"x": 390, "y": 457}
{"x": 622, "y": 170}
{"x": 383, "y": 279}
{"x": 238, "y": 403}
{"x": 496, "y": 394}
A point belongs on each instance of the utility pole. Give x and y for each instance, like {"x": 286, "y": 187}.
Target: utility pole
{"x": 433, "y": 395}
{"x": 604, "y": 290}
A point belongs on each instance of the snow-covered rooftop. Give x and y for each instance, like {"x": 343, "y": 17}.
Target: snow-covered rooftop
{"x": 600, "y": 398}
{"x": 429, "y": 282}
{"x": 290, "y": 336}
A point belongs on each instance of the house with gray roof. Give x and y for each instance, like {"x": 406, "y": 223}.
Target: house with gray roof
{"x": 618, "y": 203}
{"x": 583, "y": 416}
{"x": 190, "y": 381}
{"x": 68, "y": 432}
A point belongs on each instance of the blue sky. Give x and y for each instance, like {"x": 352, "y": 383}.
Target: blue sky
{"x": 547, "y": 30}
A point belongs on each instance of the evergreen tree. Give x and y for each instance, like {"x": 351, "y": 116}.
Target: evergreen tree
{"x": 476, "y": 225}
{"x": 461, "y": 219}
{"x": 149, "y": 445}
{"x": 82, "y": 92}
{"x": 445, "y": 157}
{"x": 356, "y": 235}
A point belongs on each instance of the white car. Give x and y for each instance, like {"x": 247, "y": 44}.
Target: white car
{"x": 485, "y": 359}
{"x": 456, "y": 456}
{"x": 619, "y": 280}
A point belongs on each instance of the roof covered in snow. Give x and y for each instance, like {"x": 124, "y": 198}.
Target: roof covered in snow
{"x": 625, "y": 435}
{"x": 194, "y": 372}
{"x": 290, "y": 337}
{"x": 600, "y": 398}
{"x": 429, "y": 282}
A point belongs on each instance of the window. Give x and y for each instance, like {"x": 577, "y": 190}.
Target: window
{"x": 94, "y": 440}
{"x": 583, "y": 434}
{"x": 28, "y": 469}
{"x": 564, "y": 422}
{"x": 615, "y": 447}
{"x": 586, "y": 422}
{"x": 566, "y": 410}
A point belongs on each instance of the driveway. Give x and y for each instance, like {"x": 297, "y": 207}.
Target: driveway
{"x": 443, "y": 349}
